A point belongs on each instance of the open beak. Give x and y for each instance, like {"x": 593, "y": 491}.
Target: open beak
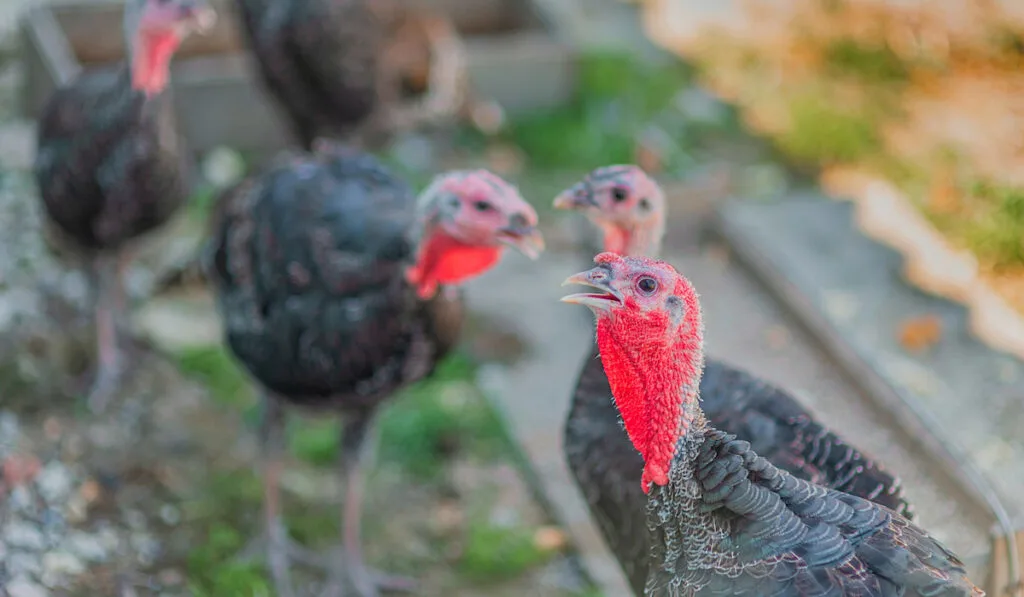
{"x": 598, "y": 278}
{"x": 526, "y": 239}
{"x": 575, "y": 197}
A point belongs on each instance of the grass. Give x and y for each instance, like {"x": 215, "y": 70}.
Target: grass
{"x": 617, "y": 97}
{"x": 824, "y": 132}
{"x": 990, "y": 223}
{"x": 871, "y": 64}
{"x": 494, "y": 553}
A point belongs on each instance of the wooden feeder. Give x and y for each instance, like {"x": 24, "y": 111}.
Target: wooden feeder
{"x": 513, "y": 56}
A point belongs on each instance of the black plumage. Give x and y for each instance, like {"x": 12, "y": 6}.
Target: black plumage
{"x": 730, "y": 523}
{"x": 607, "y": 467}
{"x": 325, "y": 269}
{"x": 108, "y": 161}
{"x": 335, "y": 67}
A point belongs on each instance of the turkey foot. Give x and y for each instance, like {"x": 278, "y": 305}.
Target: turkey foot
{"x": 352, "y": 577}
{"x": 280, "y": 552}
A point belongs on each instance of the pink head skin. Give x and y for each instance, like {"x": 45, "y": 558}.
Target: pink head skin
{"x": 154, "y": 29}
{"x": 651, "y": 338}
{"x": 468, "y": 219}
{"x": 625, "y": 203}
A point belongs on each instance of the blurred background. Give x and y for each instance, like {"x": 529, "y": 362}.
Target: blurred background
{"x": 846, "y": 192}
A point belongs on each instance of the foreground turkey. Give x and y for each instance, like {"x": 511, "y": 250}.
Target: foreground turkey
{"x": 336, "y": 289}
{"x": 335, "y": 66}
{"x": 723, "y": 520}
{"x": 108, "y": 165}
{"x": 629, "y": 207}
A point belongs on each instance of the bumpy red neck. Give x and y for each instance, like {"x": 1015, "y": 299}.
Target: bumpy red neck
{"x": 151, "y": 60}
{"x": 653, "y": 373}
{"x": 445, "y": 260}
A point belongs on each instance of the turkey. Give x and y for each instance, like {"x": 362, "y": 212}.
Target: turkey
{"x": 336, "y": 288}
{"x": 335, "y": 66}
{"x": 108, "y": 163}
{"x": 629, "y": 208}
{"x": 721, "y": 519}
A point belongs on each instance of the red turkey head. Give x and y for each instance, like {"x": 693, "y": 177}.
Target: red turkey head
{"x": 468, "y": 218}
{"x": 650, "y": 334}
{"x": 625, "y": 203}
{"x": 153, "y": 31}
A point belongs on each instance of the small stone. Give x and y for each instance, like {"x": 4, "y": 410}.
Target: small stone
{"x": 52, "y": 429}
{"x": 86, "y": 546}
{"x": 223, "y": 166}
{"x": 54, "y": 482}
{"x": 20, "y": 500}
{"x": 62, "y": 563}
{"x": 550, "y": 538}
{"x": 22, "y": 587}
{"x": 146, "y": 548}
{"x": 170, "y": 515}
{"x": 135, "y": 519}
{"x": 23, "y": 564}
{"x": 169, "y": 577}
{"x": 90, "y": 491}
{"x": 24, "y": 536}
{"x": 76, "y": 510}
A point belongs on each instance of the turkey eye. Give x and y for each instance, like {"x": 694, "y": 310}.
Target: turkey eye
{"x": 647, "y": 285}
{"x": 619, "y": 194}
{"x": 644, "y": 204}
{"x": 482, "y": 206}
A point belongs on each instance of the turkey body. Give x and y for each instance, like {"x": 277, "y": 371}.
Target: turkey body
{"x": 308, "y": 263}
{"x": 108, "y": 164}
{"x": 319, "y": 59}
{"x": 607, "y": 467}
{"x": 728, "y": 522}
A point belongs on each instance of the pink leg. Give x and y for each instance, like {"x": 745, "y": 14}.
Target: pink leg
{"x": 110, "y": 367}
{"x": 275, "y": 545}
{"x": 366, "y": 581}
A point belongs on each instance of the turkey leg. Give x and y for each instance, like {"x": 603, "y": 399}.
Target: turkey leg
{"x": 356, "y": 454}
{"x": 275, "y": 544}
{"x": 110, "y": 366}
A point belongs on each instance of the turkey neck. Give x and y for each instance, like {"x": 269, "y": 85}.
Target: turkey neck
{"x": 683, "y": 535}
{"x": 640, "y": 239}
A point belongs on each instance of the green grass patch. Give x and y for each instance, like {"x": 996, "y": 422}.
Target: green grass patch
{"x": 214, "y": 367}
{"x": 991, "y": 224}
{"x": 823, "y": 132}
{"x": 871, "y": 64}
{"x": 617, "y": 96}
{"x": 494, "y": 553}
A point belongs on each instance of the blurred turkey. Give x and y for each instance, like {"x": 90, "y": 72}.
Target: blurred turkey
{"x": 341, "y": 69}
{"x": 108, "y": 162}
{"x": 629, "y": 208}
{"x": 337, "y": 288}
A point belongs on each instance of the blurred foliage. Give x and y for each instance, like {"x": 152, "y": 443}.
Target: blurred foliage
{"x": 618, "y": 95}
{"x": 825, "y": 132}
{"x": 494, "y": 553}
{"x": 991, "y": 221}
{"x": 419, "y": 428}
{"x": 872, "y": 64}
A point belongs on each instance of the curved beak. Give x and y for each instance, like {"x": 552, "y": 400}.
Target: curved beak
{"x": 525, "y": 238}
{"x": 598, "y": 278}
{"x": 576, "y": 197}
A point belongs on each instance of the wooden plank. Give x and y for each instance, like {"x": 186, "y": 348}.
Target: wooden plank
{"x": 1000, "y": 584}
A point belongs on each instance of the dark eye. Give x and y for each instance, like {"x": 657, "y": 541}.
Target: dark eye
{"x": 644, "y": 204}
{"x": 482, "y": 206}
{"x": 647, "y": 285}
{"x": 619, "y": 194}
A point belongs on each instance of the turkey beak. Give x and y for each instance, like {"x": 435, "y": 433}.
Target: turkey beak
{"x": 575, "y": 197}
{"x": 599, "y": 278}
{"x": 522, "y": 236}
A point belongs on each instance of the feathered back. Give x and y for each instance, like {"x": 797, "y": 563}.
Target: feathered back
{"x": 731, "y": 523}
{"x": 307, "y": 261}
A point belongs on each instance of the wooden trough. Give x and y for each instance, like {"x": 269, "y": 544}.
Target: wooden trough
{"x": 513, "y": 49}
